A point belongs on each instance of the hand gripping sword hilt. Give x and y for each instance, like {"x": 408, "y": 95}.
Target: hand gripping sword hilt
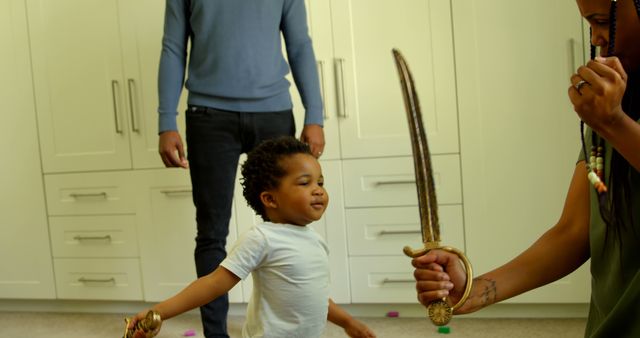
{"x": 438, "y": 317}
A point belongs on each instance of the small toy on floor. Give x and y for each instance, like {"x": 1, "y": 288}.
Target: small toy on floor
{"x": 393, "y": 314}
{"x": 189, "y": 333}
{"x": 444, "y": 329}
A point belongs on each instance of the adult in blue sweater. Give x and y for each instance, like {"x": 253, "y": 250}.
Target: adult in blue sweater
{"x": 237, "y": 97}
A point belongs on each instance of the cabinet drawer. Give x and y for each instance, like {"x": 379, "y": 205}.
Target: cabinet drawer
{"x": 385, "y": 231}
{"x": 93, "y": 236}
{"x": 391, "y": 181}
{"x": 98, "y": 279}
{"x": 90, "y": 193}
{"x": 380, "y": 279}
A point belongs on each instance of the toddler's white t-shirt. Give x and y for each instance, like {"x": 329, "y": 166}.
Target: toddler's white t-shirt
{"x": 290, "y": 269}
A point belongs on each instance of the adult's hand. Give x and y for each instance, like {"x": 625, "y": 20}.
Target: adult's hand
{"x": 172, "y": 150}
{"x": 439, "y": 274}
{"x": 596, "y": 92}
{"x": 313, "y": 135}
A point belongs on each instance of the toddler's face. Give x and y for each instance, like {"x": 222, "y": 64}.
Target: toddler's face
{"x": 300, "y": 198}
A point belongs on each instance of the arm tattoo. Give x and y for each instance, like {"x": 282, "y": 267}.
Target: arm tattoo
{"x": 488, "y": 290}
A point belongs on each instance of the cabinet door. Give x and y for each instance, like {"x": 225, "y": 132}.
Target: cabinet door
{"x": 319, "y": 20}
{"x": 141, "y": 23}
{"x": 168, "y": 231}
{"x": 80, "y": 92}
{"x": 25, "y": 260}
{"x": 519, "y": 135}
{"x": 372, "y": 118}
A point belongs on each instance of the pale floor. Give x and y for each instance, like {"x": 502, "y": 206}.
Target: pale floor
{"x": 68, "y": 325}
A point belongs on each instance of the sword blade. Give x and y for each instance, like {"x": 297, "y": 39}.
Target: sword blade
{"x": 427, "y": 202}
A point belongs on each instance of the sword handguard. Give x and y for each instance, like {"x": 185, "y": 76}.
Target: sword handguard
{"x": 467, "y": 266}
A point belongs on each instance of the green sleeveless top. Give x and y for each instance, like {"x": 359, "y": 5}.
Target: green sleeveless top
{"x": 615, "y": 267}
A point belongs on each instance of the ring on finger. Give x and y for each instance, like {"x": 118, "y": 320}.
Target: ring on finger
{"x": 579, "y": 85}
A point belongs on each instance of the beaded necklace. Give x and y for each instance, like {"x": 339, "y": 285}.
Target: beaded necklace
{"x": 595, "y": 161}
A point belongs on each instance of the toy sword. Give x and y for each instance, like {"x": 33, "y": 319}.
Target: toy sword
{"x": 440, "y": 312}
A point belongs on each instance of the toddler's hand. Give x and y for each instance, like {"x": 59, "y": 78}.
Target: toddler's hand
{"x": 139, "y": 333}
{"x": 357, "y": 329}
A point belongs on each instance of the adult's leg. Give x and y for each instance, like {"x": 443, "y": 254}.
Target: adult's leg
{"x": 213, "y": 148}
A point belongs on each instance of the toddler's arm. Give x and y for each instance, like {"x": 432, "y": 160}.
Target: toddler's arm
{"x": 199, "y": 292}
{"x": 353, "y": 327}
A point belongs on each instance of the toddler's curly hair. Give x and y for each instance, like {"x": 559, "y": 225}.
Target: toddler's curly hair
{"x": 262, "y": 170}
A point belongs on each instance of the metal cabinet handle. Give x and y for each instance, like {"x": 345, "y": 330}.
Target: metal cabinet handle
{"x": 98, "y": 194}
{"x": 395, "y": 281}
{"x": 176, "y": 192}
{"x": 132, "y": 107}
{"x": 93, "y": 238}
{"x": 322, "y": 95}
{"x": 571, "y": 44}
{"x": 395, "y": 182}
{"x": 91, "y": 280}
{"x": 399, "y": 232}
{"x": 116, "y": 112}
{"x": 342, "y": 105}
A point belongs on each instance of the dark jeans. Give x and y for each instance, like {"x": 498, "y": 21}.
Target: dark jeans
{"x": 215, "y": 140}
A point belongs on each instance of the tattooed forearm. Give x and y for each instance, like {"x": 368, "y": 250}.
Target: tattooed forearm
{"x": 487, "y": 290}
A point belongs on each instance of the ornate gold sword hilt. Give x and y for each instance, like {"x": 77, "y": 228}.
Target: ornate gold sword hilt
{"x": 439, "y": 311}
{"x": 149, "y": 325}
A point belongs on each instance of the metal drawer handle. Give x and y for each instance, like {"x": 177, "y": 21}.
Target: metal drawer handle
{"x": 410, "y": 181}
{"x": 91, "y": 280}
{"x": 395, "y": 281}
{"x": 98, "y": 194}
{"x": 93, "y": 238}
{"x": 176, "y": 192}
{"x": 399, "y": 232}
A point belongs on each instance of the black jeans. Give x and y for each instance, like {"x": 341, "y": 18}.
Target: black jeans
{"x": 215, "y": 140}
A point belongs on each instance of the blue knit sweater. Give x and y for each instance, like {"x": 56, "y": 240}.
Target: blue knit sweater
{"x": 235, "y": 58}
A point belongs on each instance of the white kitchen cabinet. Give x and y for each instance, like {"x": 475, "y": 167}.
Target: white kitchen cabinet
{"x": 363, "y": 108}
{"x": 365, "y": 120}
{"x": 386, "y": 231}
{"x": 318, "y": 18}
{"x": 518, "y": 132}
{"x": 383, "y": 182}
{"x": 382, "y": 279}
{"x": 372, "y": 119}
{"x": 94, "y": 235}
{"x": 128, "y": 234}
{"x": 382, "y": 217}
{"x": 98, "y": 279}
{"x": 380, "y": 272}
{"x": 95, "y": 68}
{"x": 26, "y": 269}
